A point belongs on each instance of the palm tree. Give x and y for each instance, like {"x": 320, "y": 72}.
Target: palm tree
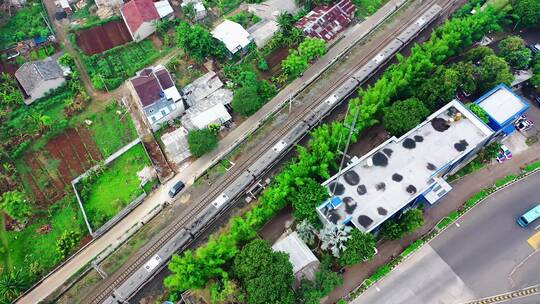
{"x": 285, "y": 21}
{"x": 333, "y": 237}
{"x": 12, "y": 283}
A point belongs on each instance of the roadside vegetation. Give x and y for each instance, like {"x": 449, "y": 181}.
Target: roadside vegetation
{"x": 211, "y": 263}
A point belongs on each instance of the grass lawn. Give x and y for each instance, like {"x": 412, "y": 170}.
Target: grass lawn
{"x": 109, "y": 192}
{"x": 110, "y": 130}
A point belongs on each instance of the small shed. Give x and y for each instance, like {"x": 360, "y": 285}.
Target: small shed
{"x": 503, "y": 107}
{"x": 327, "y": 21}
{"x": 305, "y": 263}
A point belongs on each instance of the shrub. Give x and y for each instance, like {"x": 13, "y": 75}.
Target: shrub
{"x": 478, "y": 111}
{"x": 360, "y": 247}
{"x": 202, "y": 141}
{"x": 67, "y": 242}
{"x": 515, "y": 52}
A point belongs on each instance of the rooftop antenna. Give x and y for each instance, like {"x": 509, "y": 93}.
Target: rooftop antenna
{"x": 352, "y": 129}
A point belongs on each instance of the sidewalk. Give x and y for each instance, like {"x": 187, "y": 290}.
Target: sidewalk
{"x": 350, "y": 37}
{"x": 462, "y": 190}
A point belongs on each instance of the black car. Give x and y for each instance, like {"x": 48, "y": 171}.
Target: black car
{"x": 176, "y": 188}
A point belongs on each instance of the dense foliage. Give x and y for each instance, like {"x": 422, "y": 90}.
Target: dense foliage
{"x": 25, "y": 24}
{"x": 198, "y": 43}
{"x": 250, "y": 94}
{"x": 535, "y": 80}
{"x": 202, "y": 141}
{"x": 12, "y": 283}
{"x": 515, "y": 52}
{"x": 403, "y": 116}
{"x": 67, "y": 242}
{"x": 298, "y": 60}
{"x": 315, "y": 160}
{"x": 307, "y": 198}
{"x": 360, "y": 247}
{"x": 527, "y": 12}
{"x": 266, "y": 275}
{"x": 14, "y": 204}
{"x": 245, "y": 18}
{"x": 409, "y": 222}
{"x": 325, "y": 281}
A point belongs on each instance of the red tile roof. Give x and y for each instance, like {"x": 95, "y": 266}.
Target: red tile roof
{"x": 149, "y": 85}
{"x": 136, "y": 12}
{"x": 326, "y": 21}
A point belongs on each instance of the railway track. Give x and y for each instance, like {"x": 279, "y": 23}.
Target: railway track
{"x": 235, "y": 172}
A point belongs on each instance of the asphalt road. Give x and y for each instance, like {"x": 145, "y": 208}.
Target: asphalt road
{"x": 485, "y": 254}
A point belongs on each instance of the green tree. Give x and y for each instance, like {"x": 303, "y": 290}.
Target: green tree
{"x": 515, "y": 52}
{"x": 478, "y": 111}
{"x": 188, "y": 272}
{"x": 467, "y": 76}
{"x": 360, "y": 247}
{"x": 67, "y": 242}
{"x": 266, "y": 276}
{"x": 411, "y": 220}
{"x": 492, "y": 71}
{"x": 246, "y": 101}
{"x": 202, "y": 141}
{"x": 527, "y": 12}
{"x": 404, "y": 115}
{"x": 285, "y": 21}
{"x": 307, "y": 197}
{"x": 306, "y": 232}
{"x": 295, "y": 64}
{"x": 67, "y": 61}
{"x": 440, "y": 88}
{"x": 479, "y": 53}
{"x": 535, "y": 80}
{"x": 325, "y": 282}
{"x": 12, "y": 283}
{"x": 14, "y": 204}
{"x": 312, "y": 48}
{"x": 391, "y": 230}
{"x": 198, "y": 43}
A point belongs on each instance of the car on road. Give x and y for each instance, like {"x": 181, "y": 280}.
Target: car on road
{"x": 529, "y": 216}
{"x": 504, "y": 154}
{"x": 176, "y": 189}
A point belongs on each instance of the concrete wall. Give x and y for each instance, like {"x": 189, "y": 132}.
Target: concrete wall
{"x": 145, "y": 30}
{"x": 45, "y": 87}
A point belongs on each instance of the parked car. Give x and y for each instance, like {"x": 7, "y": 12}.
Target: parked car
{"x": 504, "y": 154}
{"x": 176, "y": 189}
{"x": 523, "y": 124}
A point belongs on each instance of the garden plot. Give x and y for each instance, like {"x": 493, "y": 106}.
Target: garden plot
{"x": 103, "y": 37}
{"x": 47, "y": 172}
{"x": 107, "y": 191}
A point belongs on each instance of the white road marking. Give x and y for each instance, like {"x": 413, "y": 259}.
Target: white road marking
{"x": 536, "y": 228}
{"x": 377, "y": 288}
{"x": 457, "y": 224}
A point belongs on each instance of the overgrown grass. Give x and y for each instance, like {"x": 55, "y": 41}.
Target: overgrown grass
{"x": 111, "y": 130}
{"x": 35, "y": 252}
{"x": 367, "y": 7}
{"x": 109, "y": 192}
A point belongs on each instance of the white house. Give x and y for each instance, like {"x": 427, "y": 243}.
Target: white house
{"x": 158, "y": 96}
{"x": 200, "y": 10}
{"x": 233, "y": 35}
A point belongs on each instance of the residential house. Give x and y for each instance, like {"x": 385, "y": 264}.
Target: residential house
{"x": 200, "y": 10}
{"x": 234, "y": 36}
{"x": 327, "y": 21}
{"x": 405, "y": 172}
{"x": 141, "y": 16}
{"x": 159, "y": 98}
{"x": 211, "y": 111}
{"x": 269, "y": 11}
{"x": 201, "y": 88}
{"x": 38, "y": 77}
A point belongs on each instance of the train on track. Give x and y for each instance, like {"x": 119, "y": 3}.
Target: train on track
{"x": 254, "y": 172}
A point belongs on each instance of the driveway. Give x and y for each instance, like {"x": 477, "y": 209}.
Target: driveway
{"x": 486, "y": 253}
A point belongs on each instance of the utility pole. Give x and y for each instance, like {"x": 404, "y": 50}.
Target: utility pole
{"x": 352, "y": 129}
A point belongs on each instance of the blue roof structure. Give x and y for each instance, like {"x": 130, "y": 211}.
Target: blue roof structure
{"x": 503, "y": 106}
